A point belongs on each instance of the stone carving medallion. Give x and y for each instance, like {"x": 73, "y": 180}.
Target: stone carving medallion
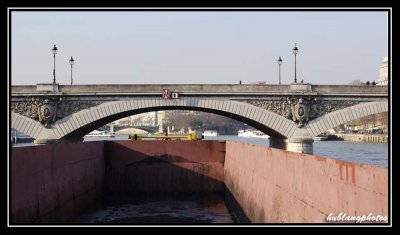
{"x": 302, "y": 108}
{"x": 47, "y": 110}
{"x": 47, "y": 113}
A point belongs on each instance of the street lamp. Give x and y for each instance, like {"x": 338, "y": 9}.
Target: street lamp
{"x": 71, "y": 62}
{"x": 279, "y": 63}
{"x": 54, "y": 50}
{"x": 295, "y": 50}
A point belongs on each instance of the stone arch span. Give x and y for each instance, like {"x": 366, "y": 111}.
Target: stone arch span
{"x": 84, "y": 121}
{"x": 339, "y": 117}
{"x": 26, "y": 125}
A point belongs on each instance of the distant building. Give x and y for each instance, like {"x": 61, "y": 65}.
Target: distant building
{"x": 383, "y": 72}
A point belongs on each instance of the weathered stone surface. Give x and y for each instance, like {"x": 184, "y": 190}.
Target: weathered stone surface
{"x": 47, "y": 110}
{"x": 258, "y": 105}
{"x": 277, "y": 186}
{"x": 302, "y": 108}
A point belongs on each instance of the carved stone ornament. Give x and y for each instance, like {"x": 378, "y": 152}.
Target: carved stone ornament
{"x": 47, "y": 110}
{"x": 302, "y": 109}
{"x": 47, "y": 113}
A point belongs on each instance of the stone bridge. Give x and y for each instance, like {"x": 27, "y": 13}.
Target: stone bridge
{"x": 290, "y": 114}
{"x": 149, "y": 129}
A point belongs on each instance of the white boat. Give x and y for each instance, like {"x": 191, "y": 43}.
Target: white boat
{"x": 252, "y": 133}
{"x": 320, "y": 138}
{"x": 210, "y": 133}
{"x": 245, "y": 133}
{"x": 98, "y": 133}
{"x": 260, "y": 134}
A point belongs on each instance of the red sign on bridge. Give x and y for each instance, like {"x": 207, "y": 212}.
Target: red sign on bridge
{"x": 169, "y": 95}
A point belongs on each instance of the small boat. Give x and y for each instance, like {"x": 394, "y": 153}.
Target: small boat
{"x": 260, "y": 134}
{"x": 210, "y": 133}
{"x": 245, "y": 133}
{"x": 252, "y": 133}
{"x": 327, "y": 138}
{"x": 99, "y": 133}
{"x": 320, "y": 138}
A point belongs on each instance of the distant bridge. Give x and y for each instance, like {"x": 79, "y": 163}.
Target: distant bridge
{"x": 291, "y": 114}
{"x": 150, "y": 129}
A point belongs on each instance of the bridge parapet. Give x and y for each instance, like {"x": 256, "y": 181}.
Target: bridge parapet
{"x": 196, "y": 89}
{"x": 47, "y": 87}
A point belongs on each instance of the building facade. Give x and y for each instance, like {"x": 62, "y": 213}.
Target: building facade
{"x": 383, "y": 72}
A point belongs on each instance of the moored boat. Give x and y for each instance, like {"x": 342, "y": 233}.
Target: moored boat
{"x": 99, "y": 133}
{"x": 320, "y": 138}
{"x": 210, "y": 133}
{"x": 252, "y": 133}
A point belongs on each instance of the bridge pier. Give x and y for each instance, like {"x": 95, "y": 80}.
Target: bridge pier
{"x": 56, "y": 141}
{"x": 278, "y": 143}
{"x": 296, "y": 144}
{"x": 300, "y": 145}
{"x": 46, "y": 141}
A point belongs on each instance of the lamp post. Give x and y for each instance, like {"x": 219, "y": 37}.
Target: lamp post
{"x": 71, "y": 62}
{"x": 295, "y": 50}
{"x": 279, "y": 63}
{"x": 54, "y": 50}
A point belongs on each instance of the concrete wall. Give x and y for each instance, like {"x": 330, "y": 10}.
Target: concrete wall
{"x": 53, "y": 182}
{"x": 277, "y": 186}
{"x": 164, "y": 167}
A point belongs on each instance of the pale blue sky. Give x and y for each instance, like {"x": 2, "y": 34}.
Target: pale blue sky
{"x": 149, "y": 47}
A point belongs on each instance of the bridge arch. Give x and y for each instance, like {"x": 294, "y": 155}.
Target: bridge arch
{"x": 84, "y": 121}
{"x": 149, "y": 129}
{"x": 339, "y": 117}
{"x": 26, "y": 125}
